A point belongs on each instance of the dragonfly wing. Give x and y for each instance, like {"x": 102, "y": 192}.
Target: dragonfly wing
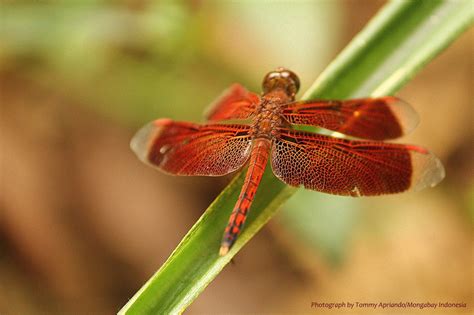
{"x": 369, "y": 118}
{"x": 351, "y": 167}
{"x": 234, "y": 103}
{"x": 183, "y": 148}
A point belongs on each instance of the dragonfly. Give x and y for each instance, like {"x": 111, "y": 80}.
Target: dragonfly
{"x": 361, "y": 164}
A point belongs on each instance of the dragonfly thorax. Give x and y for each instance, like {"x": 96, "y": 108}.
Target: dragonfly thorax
{"x": 268, "y": 118}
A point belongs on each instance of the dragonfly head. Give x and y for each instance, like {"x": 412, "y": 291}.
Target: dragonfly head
{"x": 281, "y": 78}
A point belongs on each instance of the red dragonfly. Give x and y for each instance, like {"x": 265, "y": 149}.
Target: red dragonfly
{"x": 298, "y": 158}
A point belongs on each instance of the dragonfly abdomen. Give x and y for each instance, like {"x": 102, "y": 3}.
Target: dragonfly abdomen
{"x": 257, "y": 164}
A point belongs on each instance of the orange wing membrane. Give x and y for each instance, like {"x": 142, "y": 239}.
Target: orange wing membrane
{"x": 350, "y": 167}
{"x": 183, "y": 148}
{"x": 368, "y": 118}
{"x": 234, "y": 103}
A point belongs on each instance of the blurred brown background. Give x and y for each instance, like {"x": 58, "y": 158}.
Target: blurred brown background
{"x": 83, "y": 224}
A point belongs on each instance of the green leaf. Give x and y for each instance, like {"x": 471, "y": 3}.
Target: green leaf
{"x": 395, "y": 45}
{"x": 324, "y": 222}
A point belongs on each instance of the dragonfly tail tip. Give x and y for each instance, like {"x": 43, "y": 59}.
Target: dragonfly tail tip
{"x": 224, "y": 249}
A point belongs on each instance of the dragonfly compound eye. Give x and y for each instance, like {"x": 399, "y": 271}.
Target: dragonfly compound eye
{"x": 281, "y": 78}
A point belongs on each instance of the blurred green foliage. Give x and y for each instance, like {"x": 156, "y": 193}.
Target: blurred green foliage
{"x": 137, "y": 60}
{"x": 132, "y": 65}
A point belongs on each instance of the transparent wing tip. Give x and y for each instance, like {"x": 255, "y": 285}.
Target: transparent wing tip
{"x": 428, "y": 171}
{"x": 405, "y": 113}
{"x": 141, "y": 141}
{"x": 437, "y": 173}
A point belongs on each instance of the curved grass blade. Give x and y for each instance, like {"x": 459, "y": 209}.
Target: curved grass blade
{"x": 394, "y": 46}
